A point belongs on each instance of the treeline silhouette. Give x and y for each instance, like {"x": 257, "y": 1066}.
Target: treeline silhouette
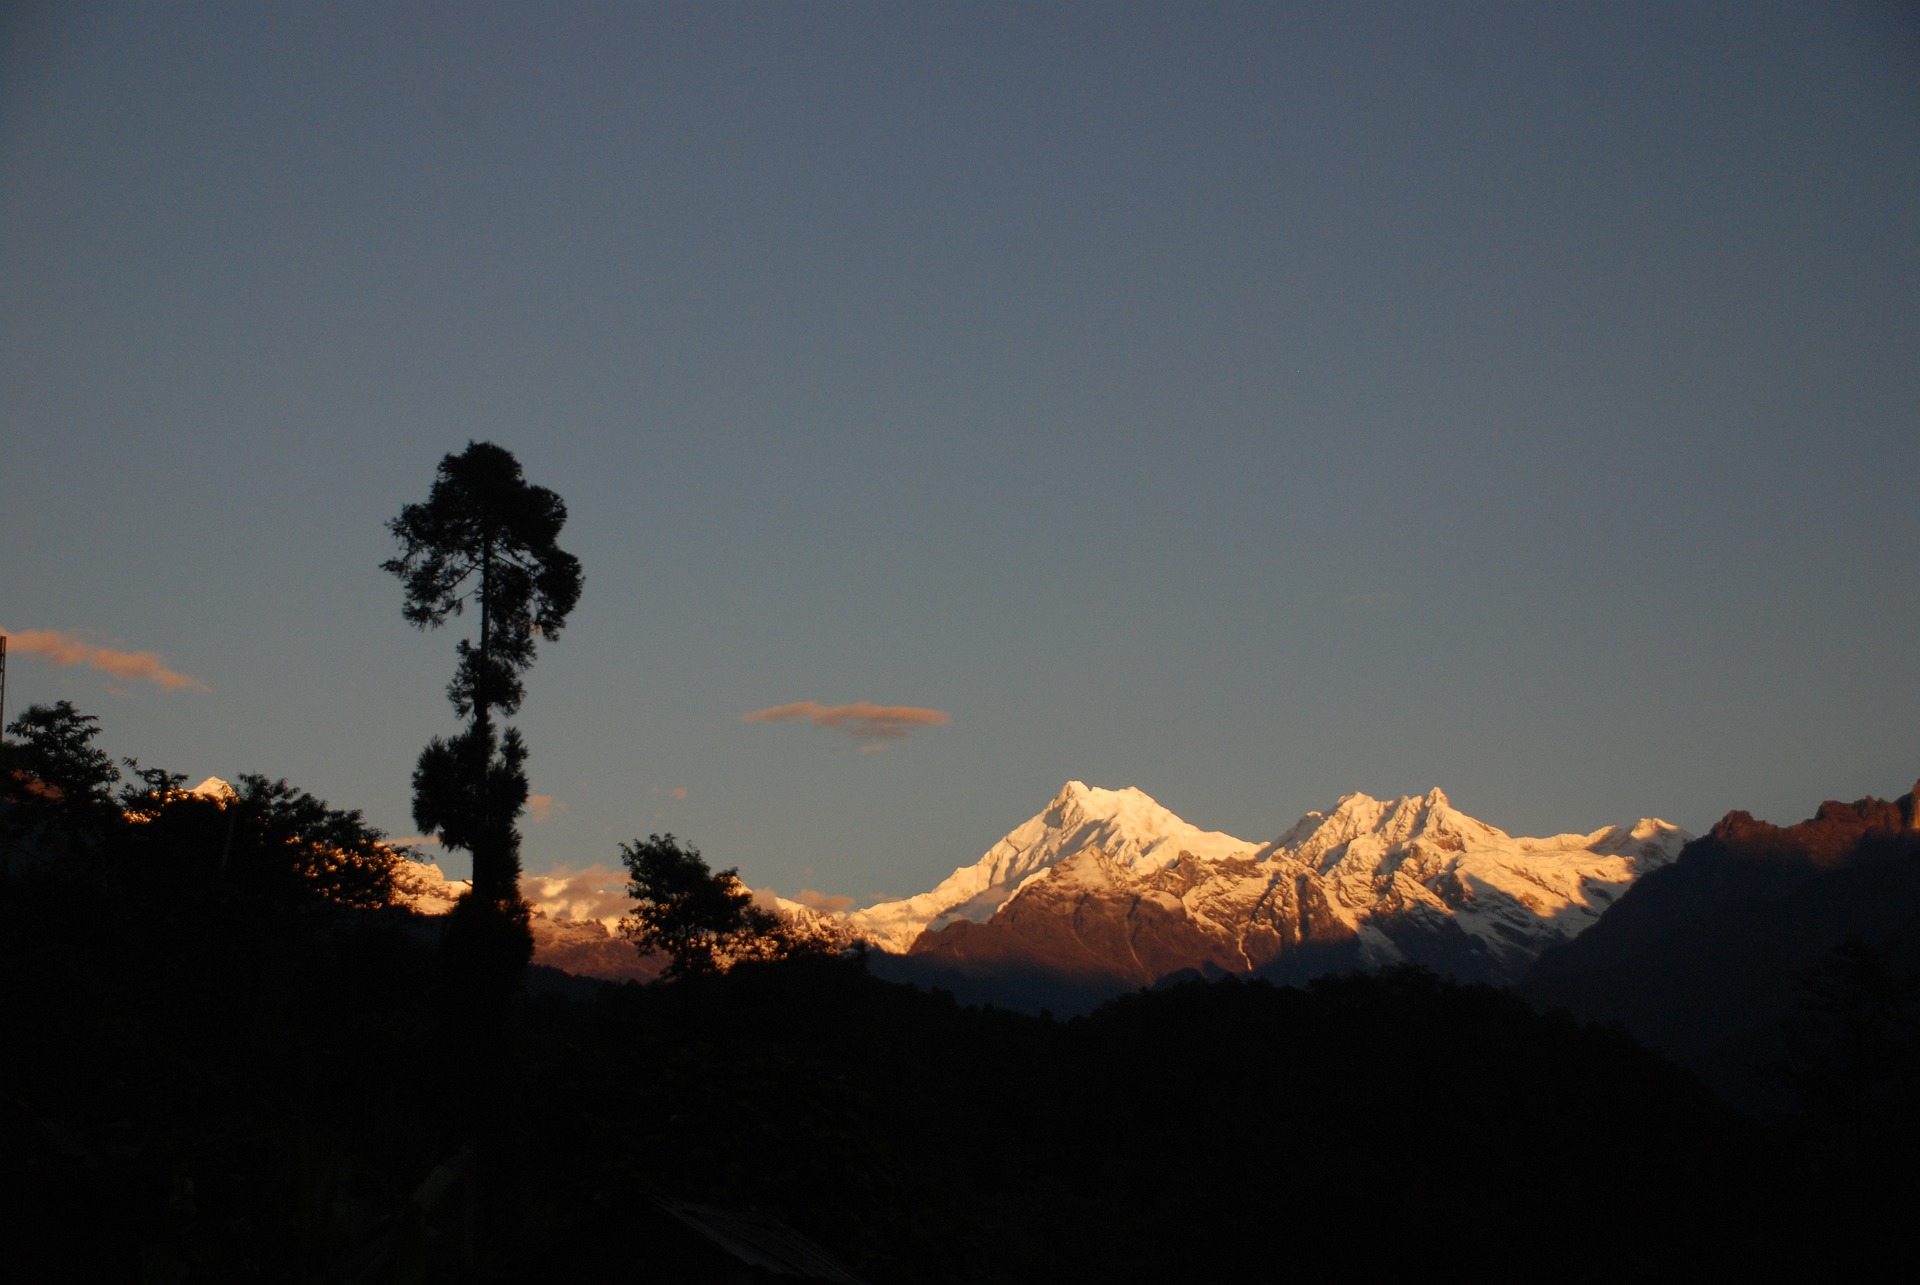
{"x": 233, "y": 1059}
{"x": 212, "y": 1081}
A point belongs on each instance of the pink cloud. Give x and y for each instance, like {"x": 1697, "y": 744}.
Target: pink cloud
{"x": 541, "y": 807}
{"x": 861, "y": 720}
{"x": 63, "y": 649}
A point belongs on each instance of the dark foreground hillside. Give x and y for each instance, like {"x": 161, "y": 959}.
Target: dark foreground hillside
{"x": 1709, "y": 960}
{"x": 205, "y": 1084}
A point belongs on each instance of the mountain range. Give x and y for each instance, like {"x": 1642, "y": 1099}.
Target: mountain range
{"x": 1106, "y": 891}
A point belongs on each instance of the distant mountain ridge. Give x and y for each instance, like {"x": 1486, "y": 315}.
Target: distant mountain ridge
{"x": 1105, "y": 890}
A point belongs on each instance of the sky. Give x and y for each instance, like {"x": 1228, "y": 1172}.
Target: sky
{"x": 1252, "y": 404}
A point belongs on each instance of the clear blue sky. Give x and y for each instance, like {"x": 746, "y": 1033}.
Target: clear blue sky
{"x": 1250, "y": 403}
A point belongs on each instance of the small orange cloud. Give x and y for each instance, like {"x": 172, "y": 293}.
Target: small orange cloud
{"x": 679, "y": 791}
{"x": 62, "y": 649}
{"x": 861, "y": 720}
{"x": 541, "y": 807}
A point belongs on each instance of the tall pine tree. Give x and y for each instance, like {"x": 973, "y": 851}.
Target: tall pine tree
{"x": 484, "y": 538}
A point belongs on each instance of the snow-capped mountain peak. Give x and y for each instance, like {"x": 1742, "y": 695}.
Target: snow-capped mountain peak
{"x": 1324, "y": 839}
{"x": 1127, "y": 825}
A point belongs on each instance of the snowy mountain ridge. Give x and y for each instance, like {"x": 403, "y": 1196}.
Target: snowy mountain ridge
{"x": 1110, "y": 880}
{"x": 1425, "y": 852}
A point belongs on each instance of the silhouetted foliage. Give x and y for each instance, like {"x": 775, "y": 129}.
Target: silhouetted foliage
{"x": 468, "y": 787}
{"x": 266, "y": 836}
{"x": 1852, "y": 1052}
{"x": 485, "y": 537}
{"x": 702, "y": 920}
{"x": 57, "y": 786}
{"x": 150, "y": 787}
{"x": 297, "y": 841}
{"x": 1849, "y": 1061}
{"x": 488, "y": 946}
{"x": 1859, "y": 1020}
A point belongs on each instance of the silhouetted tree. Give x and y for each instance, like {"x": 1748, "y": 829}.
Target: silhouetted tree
{"x": 155, "y": 787}
{"x": 297, "y": 842}
{"x": 702, "y": 920}
{"x": 484, "y": 537}
{"x": 55, "y": 784}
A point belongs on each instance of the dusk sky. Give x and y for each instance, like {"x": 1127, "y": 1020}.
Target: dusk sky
{"x": 1249, "y": 403}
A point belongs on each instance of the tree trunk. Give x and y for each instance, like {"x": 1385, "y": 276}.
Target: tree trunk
{"x": 488, "y": 854}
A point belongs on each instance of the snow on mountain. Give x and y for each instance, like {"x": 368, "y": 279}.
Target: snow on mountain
{"x": 1129, "y": 827}
{"x": 1110, "y": 883}
{"x": 424, "y": 888}
{"x": 1423, "y": 857}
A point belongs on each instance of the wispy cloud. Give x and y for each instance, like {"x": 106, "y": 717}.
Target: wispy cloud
{"x": 861, "y": 720}
{"x": 541, "y": 807}
{"x": 597, "y": 892}
{"x": 64, "y": 649}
